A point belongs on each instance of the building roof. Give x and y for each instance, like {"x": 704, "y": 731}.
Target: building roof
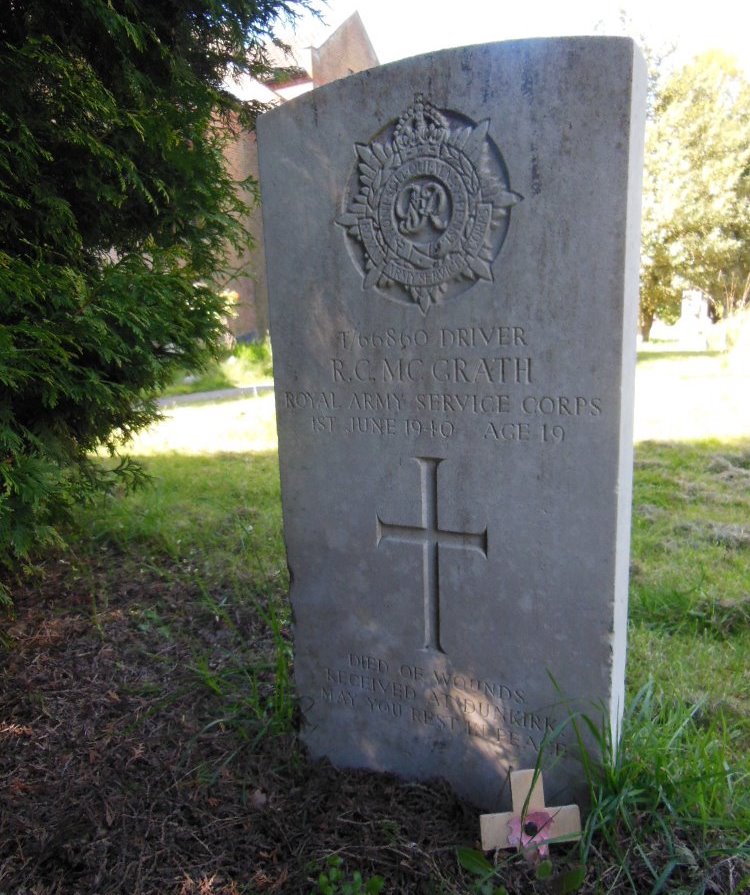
{"x": 346, "y": 51}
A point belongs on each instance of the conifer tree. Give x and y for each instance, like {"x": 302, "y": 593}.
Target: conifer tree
{"x": 115, "y": 212}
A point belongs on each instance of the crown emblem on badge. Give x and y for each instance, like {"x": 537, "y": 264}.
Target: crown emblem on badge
{"x": 420, "y": 123}
{"x": 428, "y": 206}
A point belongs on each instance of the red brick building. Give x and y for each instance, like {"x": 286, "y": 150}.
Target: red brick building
{"x": 346, "y": 51}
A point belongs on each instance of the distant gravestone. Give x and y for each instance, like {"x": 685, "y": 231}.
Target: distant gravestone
{"x": 452, "y": 246}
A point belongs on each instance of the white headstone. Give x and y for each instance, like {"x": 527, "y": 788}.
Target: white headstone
{"x": 452, "y": 246}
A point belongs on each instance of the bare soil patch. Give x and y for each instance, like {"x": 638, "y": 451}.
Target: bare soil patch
{"x": 117, "y": 774}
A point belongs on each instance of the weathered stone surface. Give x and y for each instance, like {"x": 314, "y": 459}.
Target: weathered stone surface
{"x": 452, "y": 247}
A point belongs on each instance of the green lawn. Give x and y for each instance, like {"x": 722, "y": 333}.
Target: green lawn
{"x": 690, "y": 569}
{"x": 689, "y": 640}
{"x": 194, "y": 565}
{"x": 250, "y": 364}
{"x": 692, "y": 397}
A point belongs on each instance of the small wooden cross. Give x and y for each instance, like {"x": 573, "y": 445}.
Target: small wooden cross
{"x": 527, "y": 795}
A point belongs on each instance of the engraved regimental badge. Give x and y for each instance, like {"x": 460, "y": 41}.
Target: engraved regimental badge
{"x": 428, "y": 205}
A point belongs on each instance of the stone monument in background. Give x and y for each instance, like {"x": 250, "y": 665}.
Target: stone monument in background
{"x": 452, "y": 249}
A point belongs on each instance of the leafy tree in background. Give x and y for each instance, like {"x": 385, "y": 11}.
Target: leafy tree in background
{"x": 696, "y": 214}
{"x": 115, "y": 211}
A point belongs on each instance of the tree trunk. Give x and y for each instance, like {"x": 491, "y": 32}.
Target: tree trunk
{"x": 647, "y": 321}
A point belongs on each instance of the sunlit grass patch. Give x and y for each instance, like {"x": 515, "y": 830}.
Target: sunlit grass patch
{"x": 217, "y": 516}
{"x": 199, "y": 556}
{"x": 690, "y": 579}
{"x": 684, "y": 397}
{"x": 245, "y": 425}
{"x": 249, "y": 364}
{"x": 670, "y": 813}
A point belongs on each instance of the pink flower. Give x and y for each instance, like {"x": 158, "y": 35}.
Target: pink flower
{"x": 530, "y": 834}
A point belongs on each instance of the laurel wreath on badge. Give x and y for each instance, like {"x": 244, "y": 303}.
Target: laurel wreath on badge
{"x": 428, "y": 205}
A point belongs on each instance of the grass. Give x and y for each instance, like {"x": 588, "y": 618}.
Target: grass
{"x": 690, "y": 578}
{"x": 244, "y": 426}
{"x": 218, "y": 516}
{"x": 669, "y": 807}
{"x": 669, "y": 800}
{"x": 250, "y": 364}
{"x": 692, "y": 397}
{"x": 671, "y": 810}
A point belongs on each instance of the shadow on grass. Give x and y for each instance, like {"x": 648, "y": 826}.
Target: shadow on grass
{"x": 148, "y": 677}
{"x": 136, "y": 754}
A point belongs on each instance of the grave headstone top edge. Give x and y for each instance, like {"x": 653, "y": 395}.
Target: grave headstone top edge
{"x": 532, "y": 45}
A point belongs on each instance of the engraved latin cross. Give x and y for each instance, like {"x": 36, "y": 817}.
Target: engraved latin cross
{"x": 430, "y": 537}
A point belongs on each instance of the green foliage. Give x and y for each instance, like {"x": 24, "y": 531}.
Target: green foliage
{"x": 670, "y": 810}
{"x": 257, "y": 699}
{"x": 333, "y": 881}
{"x": 247, "y": 365}
{"x": 475, "y": 863}
{"x": 696, "y": 208}
{"x": 489, "y": 875}
{"x": 667, "y": 808}
{"x": 257, "y": 356}
{"x": 115, "y": 212}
